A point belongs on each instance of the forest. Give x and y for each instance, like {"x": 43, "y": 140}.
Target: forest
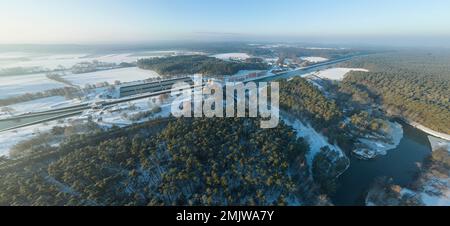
{"x": 197, "y": 64}
{"x": 303, "y": 100}
{"x": 411, "y": 85}
{"x": 199, "y": 161}
{"x": 295, "y": 52}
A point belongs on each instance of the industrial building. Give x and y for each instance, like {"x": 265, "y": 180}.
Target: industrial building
{"x": 150, "y": 87}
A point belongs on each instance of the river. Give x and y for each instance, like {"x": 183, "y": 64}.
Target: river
{"x": 401, "y": 164}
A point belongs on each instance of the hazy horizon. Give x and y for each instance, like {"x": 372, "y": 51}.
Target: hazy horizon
{"x": 355, "y": 22}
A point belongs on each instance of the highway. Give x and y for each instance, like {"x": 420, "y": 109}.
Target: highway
{"x": 13, "y": 123}
{"x": 67, "y": 112}
{"x": 305, "y": 70}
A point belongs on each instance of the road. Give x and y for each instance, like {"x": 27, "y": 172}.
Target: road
{"x": 309, "y": 69}
{"x": 78, "y": 109}
{"x": 66, "y": 112}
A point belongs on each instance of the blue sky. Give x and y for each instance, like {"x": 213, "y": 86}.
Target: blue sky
{"x": 116, "y": 21}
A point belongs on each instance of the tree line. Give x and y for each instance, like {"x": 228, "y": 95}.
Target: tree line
{"x": 413, "y": 85}
{"x": 197, "y": 64}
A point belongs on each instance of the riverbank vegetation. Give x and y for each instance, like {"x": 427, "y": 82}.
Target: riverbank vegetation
{"x": 431, "y": 186}
{"x": 301, "y": 99}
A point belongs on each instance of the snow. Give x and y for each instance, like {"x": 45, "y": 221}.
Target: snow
{"x": 13, "y": 55}
{"x": 337, "y": 74}
{"x": 37, "y": 105}
{"x": 435, "y": 200}
{"x": 115, "y": 115}
{"x": 437, "y": 143}
{"x": 271, "y": 60}
{"x": 123, "y": 75}
{"x": 375, "y": 147}
{"x": 316, "y": 81}
{"x": 315, "y": 140}
{"x": 319, "y": 48}
{"x": 49, "y": 61}
{"x": 109, "y": 118}
{"x": 7, "y": 58}
{"x": 42, "y": 104}
{"x": 21, "y": 84}
{"x": 430, "y": 131}
{"x": 232, "y": 56}
{"x": 430, "y": 196}
{"x": 314, "y": 59}
{"x": 52, "y": 61}
{"x": 10, "y": 138}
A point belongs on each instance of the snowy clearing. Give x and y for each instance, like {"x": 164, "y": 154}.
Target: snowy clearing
{"x": 232, "y": 56}
{"x": 42, "y": 104}
{"x": 319, "y": 48}
{"x": 21, "y": 84}
{"x": 336, "y": 74}
{"x": 10, "y": 138}
{"x": 52, "y": 61}
{"x": 110, "y": 76}
{"x": 314, "y": 59}
{"x": 49, "y": 61}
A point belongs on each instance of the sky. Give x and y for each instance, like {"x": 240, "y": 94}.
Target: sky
{"x": 134, "y": 21}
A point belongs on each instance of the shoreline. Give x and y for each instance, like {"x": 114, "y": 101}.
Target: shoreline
{"x": 427, "y": 130}
{"x": 373, "y": 148}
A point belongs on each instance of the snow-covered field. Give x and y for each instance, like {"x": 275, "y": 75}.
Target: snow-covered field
{"x": 314, "y": 59}
{"x": 336, "y": 74}
{"x": 232, "y": 56}
{"x": 10, "y": 58}
{"x": 319, "y": 48}
{"x": 271, "y": 60}
{"x": 52, "y": 61}
{"x": 21, "y": 84}
{"x": 116, "y": 118}
{"x": 46, "y": 61}
{"x": 42, "y": 104}
{"x": 122, "y": 75}
{"x": 115, "y": 115}
{"x": 10, "y": 138}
